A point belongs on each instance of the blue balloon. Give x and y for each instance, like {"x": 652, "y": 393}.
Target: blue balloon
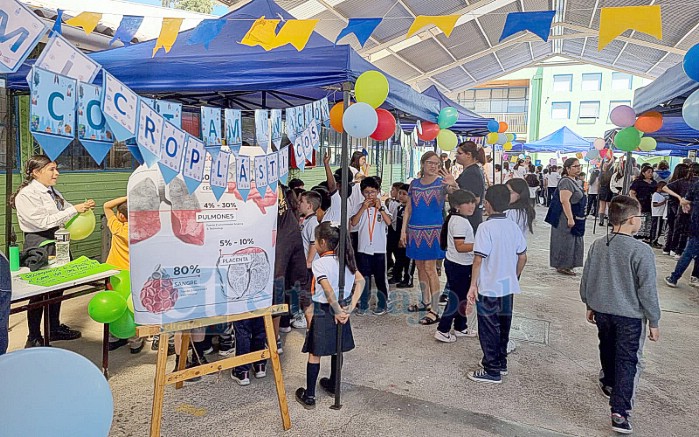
{"x": 42, "y": 386}
{"x": 691, "y": 63}
{"x": 690, "y": 110}
{"x": 493, "y": 126}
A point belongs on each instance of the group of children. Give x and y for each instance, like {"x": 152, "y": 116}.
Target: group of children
{"x": 483, "y": 270}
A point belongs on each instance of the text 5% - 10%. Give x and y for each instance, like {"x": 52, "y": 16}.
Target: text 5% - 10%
{"x": 239, "y": 242}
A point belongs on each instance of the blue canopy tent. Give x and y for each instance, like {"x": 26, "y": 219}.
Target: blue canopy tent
{"x": 563, "y": 140}
{"x": 230, "y": 74}
{"x": 666, "y": 94}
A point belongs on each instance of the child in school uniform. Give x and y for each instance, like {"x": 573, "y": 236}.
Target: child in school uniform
{"x": 330, "y": 308}
{"x": 457, "y": 240}
{"x": 658, "y": 205}
{"x": 393, "y": 237}
{"x": 309, "y": 204}
{"x": 619, "y": 288}
{"x": 404, "y": 269}
{"x": 372, "y": 221}
{"x": 500, "y": 255}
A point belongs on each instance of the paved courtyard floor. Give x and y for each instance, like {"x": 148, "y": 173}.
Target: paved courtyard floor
{"x": 399, "y": 381}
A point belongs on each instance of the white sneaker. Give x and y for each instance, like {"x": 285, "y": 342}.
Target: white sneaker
{"x": 285, "y": 329}
{"x": 666, "y": 253}
{"x": 468, "y": 332}
{"x": 299, "y": 322}
{"x": 694, "y": 281}
{"x": 444, "y": 338}
{"x": 672, "y": 253}
{"x": 511, "y": 346}
{"x": 678, "y": 256}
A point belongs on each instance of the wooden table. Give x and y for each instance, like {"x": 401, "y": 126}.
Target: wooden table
{"x": 23, "y": 291}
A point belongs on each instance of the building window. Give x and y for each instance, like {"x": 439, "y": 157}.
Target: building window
{"x": 621, "y": 81}
{"x": 591, "y": 81}
{"x": 563, "y": 82}
{"x": 613, "y": 104}
{"x": 560, "y": 110}
{"x": 589, "y": 113}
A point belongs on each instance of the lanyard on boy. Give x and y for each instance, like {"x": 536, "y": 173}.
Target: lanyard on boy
{"x": 372, "y": 223}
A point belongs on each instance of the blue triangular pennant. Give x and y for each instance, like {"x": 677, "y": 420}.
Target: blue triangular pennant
{"x": 362, "y": 28}
{"x": 168, "y": 173}
{"x": 205, "y": 32}
{"x": 53, "y": 145}
{"x": 97, "y": 149}
{"x": 192, "y": 184}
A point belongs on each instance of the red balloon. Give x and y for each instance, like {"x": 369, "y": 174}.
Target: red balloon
{"x": 429, "y": 131}
{"x": 386, "y": 127}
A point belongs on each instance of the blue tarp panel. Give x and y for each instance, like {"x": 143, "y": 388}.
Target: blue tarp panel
{"x": 671, "y": 85}
{"x": 563, "y": 140}
{"x": 675, "y": 130}
{"x": 469, "y": 122}
{"x": 229, "y": 67}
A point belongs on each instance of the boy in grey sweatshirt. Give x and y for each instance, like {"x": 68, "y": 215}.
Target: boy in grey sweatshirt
{"x": 619, "y": 288}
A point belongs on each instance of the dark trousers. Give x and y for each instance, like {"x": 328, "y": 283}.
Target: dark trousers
{"x": 591, "y": 204}
{"x": 678, "y": 238}
{"x": 551, "y": 190}
{"x": 459, "y": 276}
{"x": 620, "y": 346}
{"x": 656, "y": 228}
{"x": 5, "y": 300}
{"x": 494, "y": 321}
{"x": 671, "y": 214}
{"x": 34, "y": 316}
{"x": 392, "y": 240}
{"x": 691, "y": 252}
{"x": 373, "y": 265}
{"x": 291, "y": 285}
{"x": 401, "y": 269}
{"x": 250, "y": 336}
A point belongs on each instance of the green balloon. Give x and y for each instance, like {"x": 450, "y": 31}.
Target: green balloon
{"x": 124, "y": 327}
{"x": 106, "y": 307}
{"x": 447, "y": 117}
{"x": 627, "y": 139}
{"x": 129, "y": 303}
{"x": 121, "y": 283}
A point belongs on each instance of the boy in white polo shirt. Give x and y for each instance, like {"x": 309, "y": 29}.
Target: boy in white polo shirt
{"x": 500, "y": 255}
{"x": 372, "y": 221}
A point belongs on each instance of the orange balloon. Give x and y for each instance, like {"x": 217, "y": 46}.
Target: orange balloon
{"x": 649, "y": 122}
{"x": 503, "y": 127}
{"x": 336, "y": 114}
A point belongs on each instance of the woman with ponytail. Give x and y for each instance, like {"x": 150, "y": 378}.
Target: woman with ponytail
{"x": 40, "y": 211}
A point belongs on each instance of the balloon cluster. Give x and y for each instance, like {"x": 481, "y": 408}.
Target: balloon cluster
{"x": 115, "y": 306}
{"x": 364, "y": 118}
{"x": 498, "y": 134}
{"x": 630, "y": 137}
{"x": 598, "y": 152}
{"x": 446, "y": 139}
{"x": 690, "y": 108}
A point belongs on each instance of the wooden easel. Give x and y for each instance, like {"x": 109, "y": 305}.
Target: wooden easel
{"x": 163, "y": 378}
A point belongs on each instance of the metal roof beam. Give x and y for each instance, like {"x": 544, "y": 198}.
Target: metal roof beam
{"x": 610, "y": 67}
{"x": 595, "y": 33}
{"x": 483, "y": 4}
{"x": 330, "y": 8}
{"x": 694, "y": 29}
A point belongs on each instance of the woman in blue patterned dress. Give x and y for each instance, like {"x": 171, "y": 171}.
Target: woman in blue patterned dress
{"x": 422, "y": 224}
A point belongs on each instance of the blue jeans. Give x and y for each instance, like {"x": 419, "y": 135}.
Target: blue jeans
{"x": 691, "y": 252}
{"x": 250, "y": 336}
{"x": 620, "y": 346}
{"x": 455, "y": 311}
{"x": 5, "y": 298}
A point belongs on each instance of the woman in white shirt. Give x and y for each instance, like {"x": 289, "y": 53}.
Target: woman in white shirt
{"x": 40, "y": 211}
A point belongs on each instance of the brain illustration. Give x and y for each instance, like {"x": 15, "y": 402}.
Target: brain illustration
{"x": 159, "y": 293}
{"x": 249, "y": 276}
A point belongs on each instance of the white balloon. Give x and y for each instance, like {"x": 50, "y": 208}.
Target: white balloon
{"x": 690, "y": 110}
{"x": 599, "y": 143}
{"x": 502, "y": 139}
{"x": 360, "y": 120}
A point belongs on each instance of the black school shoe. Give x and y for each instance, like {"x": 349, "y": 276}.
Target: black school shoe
{"x": 34, "y": 342}
{"x": 328, "y": 386}
{"x": 307, "y": 402}
{"x": 621, "y": 424}
{"x": 606, "y": 390}
{"x": 63, "y": 332}
{"x": 114, "y": 345}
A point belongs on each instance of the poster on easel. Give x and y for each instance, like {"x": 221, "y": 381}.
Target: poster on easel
{"x": 220, "y": 253}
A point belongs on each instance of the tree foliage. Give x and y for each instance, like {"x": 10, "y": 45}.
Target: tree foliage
{"x": 201, "y": 6}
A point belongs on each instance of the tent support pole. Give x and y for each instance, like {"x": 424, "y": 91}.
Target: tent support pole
{"x": 344, "y": 163}
{"x": 9, "y": 166}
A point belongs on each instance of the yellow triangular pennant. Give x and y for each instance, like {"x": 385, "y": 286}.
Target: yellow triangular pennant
{"x": 445, "y": 23}
{"x": 262, "y": 33}
{"x": 615, "y": 21}
{"x": 87, "y": 20}
{"x": 168, "y": 34}
{"x": 296, "y": 33}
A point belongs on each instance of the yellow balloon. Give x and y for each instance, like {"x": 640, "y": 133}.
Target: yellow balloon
{"x": 446, "y": 140}
{"x": 491, "y": 138}
{"x": 371, "y": 88}
{"x": 81, "y": 226}
{"x": 507, "y": 146}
